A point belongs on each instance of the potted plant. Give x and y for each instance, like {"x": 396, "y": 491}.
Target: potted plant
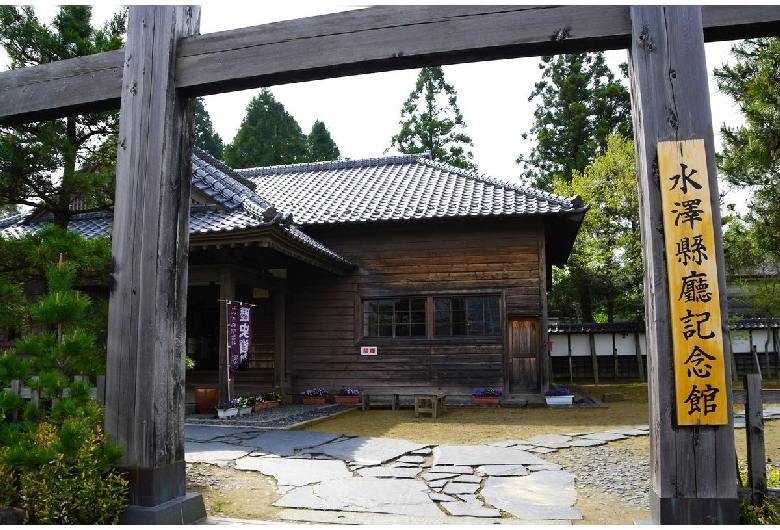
{"x": 487, "y": 396}
{"x": 272, "y": 398}
{"x": 559, "y": 396}
{"x": 347, "y": 396}
{"x": 314, "y": 396}
{"x": 227, "y": 409}
{"x": 258, "y": 403}
{"x": 244, "y": 406}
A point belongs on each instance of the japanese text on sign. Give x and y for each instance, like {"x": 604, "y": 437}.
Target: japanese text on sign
{"x": 697, "y": 340}
{"x": 239, "y": 333}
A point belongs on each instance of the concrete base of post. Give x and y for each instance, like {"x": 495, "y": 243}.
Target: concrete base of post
{"x": 701, "y": 511}
{"x": 188, "y": 509}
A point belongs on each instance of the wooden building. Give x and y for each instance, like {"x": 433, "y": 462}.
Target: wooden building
{"x": 392, "y": 274}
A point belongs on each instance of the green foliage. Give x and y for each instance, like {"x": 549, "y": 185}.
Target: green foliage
{"x": 25, "y": 260}
{"x": 755, "y": 272}
{"x": 268, "y": 136}
{"x": 63, "y": 473}
{"x": 581, "y": 105}
{"x": 603, "y": 279}
{"x": 40, "y": 162}
{"x": 206, "y": 137}
{"x": 56, "y": 462}
{"x": 320, "y": 144}
{"x": 12, "y": 367}
{"x": 432, "y": 122}
{"x": 768, "y": 512}
{"x": 750, "y": 152}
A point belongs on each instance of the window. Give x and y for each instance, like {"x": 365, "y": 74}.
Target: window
{"x": 467, "y": 316}
{"x": 402, "y": 317}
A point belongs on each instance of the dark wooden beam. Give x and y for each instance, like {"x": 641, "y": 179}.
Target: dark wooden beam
{"x": 355, "y": 42}
{"x": 692, "y": 468}
{"x": 148, "y": 300}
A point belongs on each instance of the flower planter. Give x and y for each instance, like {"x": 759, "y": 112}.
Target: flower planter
{"x": 487, "y": 400}
{"x": 258, "y": 407}
{"x": 556, "y": 401}
{"x": 272, "y": 404}
{"x": 313, "y": 400}
{"x": 244, "y": 411}
{"x": 206, "y": 397}
{"x": 227, "y": 413}
{"x": 347, "y": 400}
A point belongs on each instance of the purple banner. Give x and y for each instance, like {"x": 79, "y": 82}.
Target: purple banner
{"x": 239, "y": 333}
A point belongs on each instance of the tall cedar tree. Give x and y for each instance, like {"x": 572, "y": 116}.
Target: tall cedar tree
{"x": 751, "y": 153}
{"x": 321, "y": 144}
{"x": 602, "y": 281}
{"x": 581, "y": 106}
{"x": 431, "y": 121}
{"x": 206, "y": 137}
{"x": 268, "y": 136}
{"x": 41, "y": 162}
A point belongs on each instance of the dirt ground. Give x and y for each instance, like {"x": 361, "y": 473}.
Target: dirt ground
{"x": 249, "y": 495}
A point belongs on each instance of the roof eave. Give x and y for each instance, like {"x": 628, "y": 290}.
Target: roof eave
{"x": 275, "y": 237}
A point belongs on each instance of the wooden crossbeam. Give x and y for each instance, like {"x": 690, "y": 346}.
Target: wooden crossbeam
{"x": 355, "y": 42}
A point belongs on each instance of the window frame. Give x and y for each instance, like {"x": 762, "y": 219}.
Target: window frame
{"x": 466, "y": 312}
{"x": 430, "y": 334}
{"x": 395, "y": 320}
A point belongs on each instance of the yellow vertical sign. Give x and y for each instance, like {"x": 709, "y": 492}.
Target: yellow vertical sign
{"x": 689, "y": 240}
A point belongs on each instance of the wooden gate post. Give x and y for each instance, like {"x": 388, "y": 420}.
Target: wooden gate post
{"x": 692, "y": 468}
{"x": 148, "y": 300}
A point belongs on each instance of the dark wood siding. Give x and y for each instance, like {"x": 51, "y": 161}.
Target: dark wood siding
{"x": 496, "y": 257}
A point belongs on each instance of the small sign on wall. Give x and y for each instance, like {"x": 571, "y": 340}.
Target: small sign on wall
{"x": 368, "y": 350}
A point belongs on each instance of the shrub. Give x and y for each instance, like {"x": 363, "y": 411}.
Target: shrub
{"x": 769, "y": 512}
{"x": 56, "y": 463}
{"x": 63, "y": 473}
{"x": 271, "y": 396}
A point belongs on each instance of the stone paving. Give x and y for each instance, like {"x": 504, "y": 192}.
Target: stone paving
{"x": 329, "y": 478}
{"x": 336, "y": 479}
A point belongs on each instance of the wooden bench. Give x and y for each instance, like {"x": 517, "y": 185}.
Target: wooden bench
{"x": 365, "y": 400}
{"x": 433, "y": 402}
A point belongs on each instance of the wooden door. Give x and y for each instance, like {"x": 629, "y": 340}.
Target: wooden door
{"x": 523, "y": 353}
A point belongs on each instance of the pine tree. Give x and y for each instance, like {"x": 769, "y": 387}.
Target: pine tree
{"x": 40, "y": 162}
{"x": 321, "y": 144}
{"x": 581, "y": 105}
{"x": 268, "y": 136}
{"x": 57, "y": 463}
{"x": 432, "y": 122}
{"x": 750, "y": 152}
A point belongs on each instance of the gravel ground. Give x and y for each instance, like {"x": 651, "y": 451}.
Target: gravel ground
{"x": 618, "y": 468}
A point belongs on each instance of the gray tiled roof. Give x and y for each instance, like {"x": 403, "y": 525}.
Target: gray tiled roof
{"x": 392, "y": 188}
{"x": 352, "y": 191}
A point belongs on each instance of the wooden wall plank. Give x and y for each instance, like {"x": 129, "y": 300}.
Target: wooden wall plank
{"x": 324, "y": 345}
